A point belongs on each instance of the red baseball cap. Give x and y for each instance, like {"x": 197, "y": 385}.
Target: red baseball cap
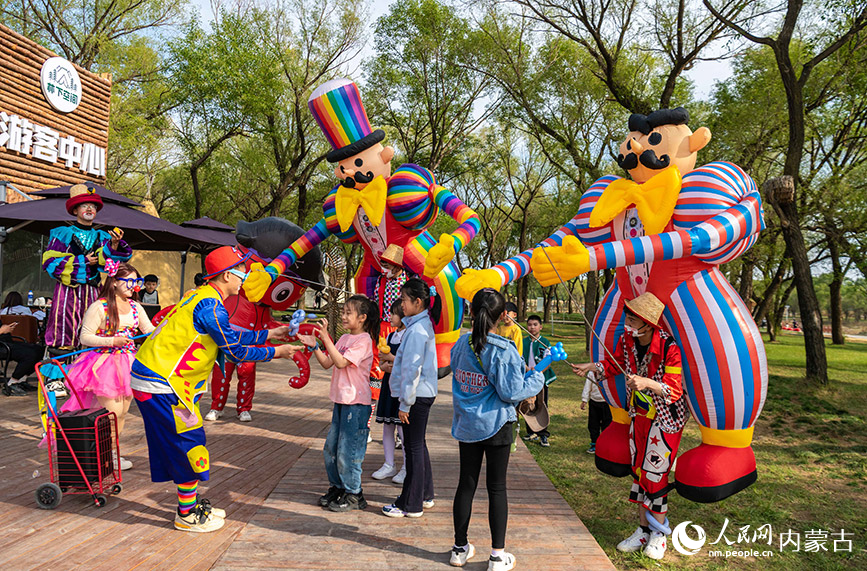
{"x": 222, "y": 259}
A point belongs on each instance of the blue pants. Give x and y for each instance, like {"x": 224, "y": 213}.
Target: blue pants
{"x": 346, "y": 445}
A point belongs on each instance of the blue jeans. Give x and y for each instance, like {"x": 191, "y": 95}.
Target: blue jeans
{"x": 346, "y": 445}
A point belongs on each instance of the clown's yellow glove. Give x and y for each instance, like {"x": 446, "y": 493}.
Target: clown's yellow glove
{"x": 439, "y": 256}
{"x": 571, "y": 260}
{"x": 474, "y": 280}
{"x": 258, "y": 281}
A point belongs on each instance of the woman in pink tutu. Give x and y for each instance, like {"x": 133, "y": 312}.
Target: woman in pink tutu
{"x": 101, "y": 377}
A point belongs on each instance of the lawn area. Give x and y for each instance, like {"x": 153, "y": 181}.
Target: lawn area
{"x": 811, "y": 448}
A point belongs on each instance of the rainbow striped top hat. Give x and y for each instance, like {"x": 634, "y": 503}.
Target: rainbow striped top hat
{"x": 337, "y": 108}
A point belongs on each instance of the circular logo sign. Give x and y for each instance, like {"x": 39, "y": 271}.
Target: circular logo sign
{"x": 684, "y": 543}
{"x": 61, "y": 85}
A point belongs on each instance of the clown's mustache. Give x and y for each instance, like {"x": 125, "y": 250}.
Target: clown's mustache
{"x": 648, "y": 158}
{"x": 359, "y": 178}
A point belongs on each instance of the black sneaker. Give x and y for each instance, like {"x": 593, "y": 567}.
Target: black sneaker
{"x": 332, "y": 494}
{"x": 347, "y": 502}
{"x": 15, "y": 391}
{"x": 543, "y": 441}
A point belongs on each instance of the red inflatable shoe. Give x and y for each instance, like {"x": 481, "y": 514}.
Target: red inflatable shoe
{"x": 710, "y": 473}
{"x": 612, "y": 449}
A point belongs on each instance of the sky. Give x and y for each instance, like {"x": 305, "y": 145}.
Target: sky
{"x": 703, "y": 74}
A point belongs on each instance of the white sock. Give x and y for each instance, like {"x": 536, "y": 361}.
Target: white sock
{"x": 464, "y": 547}
{"x": 497, "y": 552}
{"x": 14, "y": 381}
{"x": 388, "y": 443}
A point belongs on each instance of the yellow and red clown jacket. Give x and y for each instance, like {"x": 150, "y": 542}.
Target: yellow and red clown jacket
{"x": 181, "y": 352}
{"x": 662, "y": 363}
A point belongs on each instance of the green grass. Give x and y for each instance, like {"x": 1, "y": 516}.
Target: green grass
{"x": 810, "y": 444}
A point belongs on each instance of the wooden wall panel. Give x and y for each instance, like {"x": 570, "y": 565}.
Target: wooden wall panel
{"x": 20, "y": 94}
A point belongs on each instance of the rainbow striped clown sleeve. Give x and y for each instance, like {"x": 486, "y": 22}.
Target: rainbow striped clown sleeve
{"x": 59, "y": 263}
{"x": 717, "y": 218}
{"x": 467, "y": 219}
{"x": 301, "y": 246}
{"x": 518, "y": 266}
{"x": 122, "y": 254}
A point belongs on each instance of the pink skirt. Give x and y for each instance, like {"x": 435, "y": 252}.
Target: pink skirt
{"x": 100, "y": 374}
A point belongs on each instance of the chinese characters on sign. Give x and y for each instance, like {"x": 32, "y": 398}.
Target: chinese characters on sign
{"x": 61, "y": 84}
{"x": 21, "y": 136}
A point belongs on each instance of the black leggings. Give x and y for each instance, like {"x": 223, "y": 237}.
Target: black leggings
{"x": 498, "y": 503}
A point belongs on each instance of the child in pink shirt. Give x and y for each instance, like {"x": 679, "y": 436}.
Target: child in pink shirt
{"x": 351, "y": 357}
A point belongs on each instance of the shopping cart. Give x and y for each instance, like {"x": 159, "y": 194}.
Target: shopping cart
{"x": 83, "y": 449}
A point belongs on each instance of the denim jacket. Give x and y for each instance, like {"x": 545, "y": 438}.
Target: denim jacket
{"x": 414, "y": 373}
{"x": 485, "y": 394}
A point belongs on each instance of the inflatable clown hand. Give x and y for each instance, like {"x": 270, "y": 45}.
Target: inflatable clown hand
{"x": 469, "y": 284}
{"x": 554, "y": 264}
{"x": 439, "y": 256}
{"x": 258, "y": 281}
{"x": 554, "y": 354}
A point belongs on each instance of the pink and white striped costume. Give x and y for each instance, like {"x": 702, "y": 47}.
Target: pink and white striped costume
{"x": 718, "y": 217}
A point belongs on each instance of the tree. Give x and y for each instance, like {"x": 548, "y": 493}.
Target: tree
{"x": 81, "y": 31}
{"x": 842, "y": 29}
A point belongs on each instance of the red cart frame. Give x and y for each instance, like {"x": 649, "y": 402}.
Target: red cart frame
{"x": 71, "y": 470}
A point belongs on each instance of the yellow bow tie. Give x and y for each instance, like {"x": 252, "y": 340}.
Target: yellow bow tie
{"x": 371, "y": 197}
{"x": 655, "y": 200}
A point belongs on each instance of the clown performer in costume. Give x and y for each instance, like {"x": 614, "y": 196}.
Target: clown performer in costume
{"x": 377, "y": 208}
{"x": 73, "y": 257}
{"x": 666, "y": 231}
{"x": 651, "y": 362}
{"x": 170, "y": 373}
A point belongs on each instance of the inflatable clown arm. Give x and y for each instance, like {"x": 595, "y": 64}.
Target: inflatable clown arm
{"x": 518, "y": 266}
{"x": 298, "y": 248}
{"x": 467, "y": 218}
{"x": 718, "y": 239}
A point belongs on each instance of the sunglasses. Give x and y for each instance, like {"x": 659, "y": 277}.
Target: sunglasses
{"x": 238, "y": 274}
{"x": 132, "y": 283}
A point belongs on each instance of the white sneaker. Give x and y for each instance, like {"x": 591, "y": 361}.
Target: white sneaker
{"x": 656, "y": 545}
{"x": 392, "y": 510}
{"x": 400, "y": 476}
{"x": 634, "y": 542}
{"x": 503, "y": 562}
{"x": 213, "y": 414}
{"x": 460, "y": 555}
{"x": 198, "y": 521}
{"x": 245, "y": 416}
{"x": 369, "y": 438}
{"x": 125, "y": 464}
{"x": 427, "y": 504}
{"x": 386, "y": 471}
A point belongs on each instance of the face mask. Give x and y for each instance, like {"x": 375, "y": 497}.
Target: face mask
{"x": 631, "y": 330}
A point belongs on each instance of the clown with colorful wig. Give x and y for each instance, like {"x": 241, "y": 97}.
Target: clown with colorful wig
{"x": 377, "y": 209}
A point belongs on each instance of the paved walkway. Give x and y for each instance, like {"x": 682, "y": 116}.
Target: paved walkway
{"x": 268, "y": 475}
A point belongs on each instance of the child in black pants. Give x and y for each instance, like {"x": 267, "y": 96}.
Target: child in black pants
{"x": 599, "y": 416}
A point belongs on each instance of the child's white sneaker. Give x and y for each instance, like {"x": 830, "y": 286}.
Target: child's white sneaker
{"x": 386, "y": 471}
{"x": 213, "y": 414}
{"x": 427, "y": 504}
{"x": 634, "y": 542}
{"x": 656, "y": 545}
{"x": 502, "y": 562}
{"x": 461, "y": 554}
{"x": 245, "y": 416}
{"x": 400, "y": 476}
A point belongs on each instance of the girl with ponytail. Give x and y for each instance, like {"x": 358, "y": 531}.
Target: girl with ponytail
{"x": 489, "y": 381}
{"x": 414, "y": 382}
{"x": 103, "y": 375}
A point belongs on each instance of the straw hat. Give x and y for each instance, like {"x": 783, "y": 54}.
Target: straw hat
{"x": 648, "y": 307}
{"x": 393, "y": 255}
{"x": 535, "y": 413}
{"x": 81, "y": 194}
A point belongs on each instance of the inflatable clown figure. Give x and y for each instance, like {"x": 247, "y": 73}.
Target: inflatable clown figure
{"x": 666, "y": 231}
{"x": 377, "y": 209}
{"x": 264, "y": 239}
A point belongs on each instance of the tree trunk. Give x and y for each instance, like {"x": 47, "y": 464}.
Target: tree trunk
{"x": 590, "y": 296}
{"x": 302, "y": 204}
{"x": 834, "y": 288}
{"x": 781, "y": 194}
{"x": 521, "y": 287}
{"x": 197, "y": 193}
{"x": 745, "y": 283}
{"x": 767, "y": 302}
